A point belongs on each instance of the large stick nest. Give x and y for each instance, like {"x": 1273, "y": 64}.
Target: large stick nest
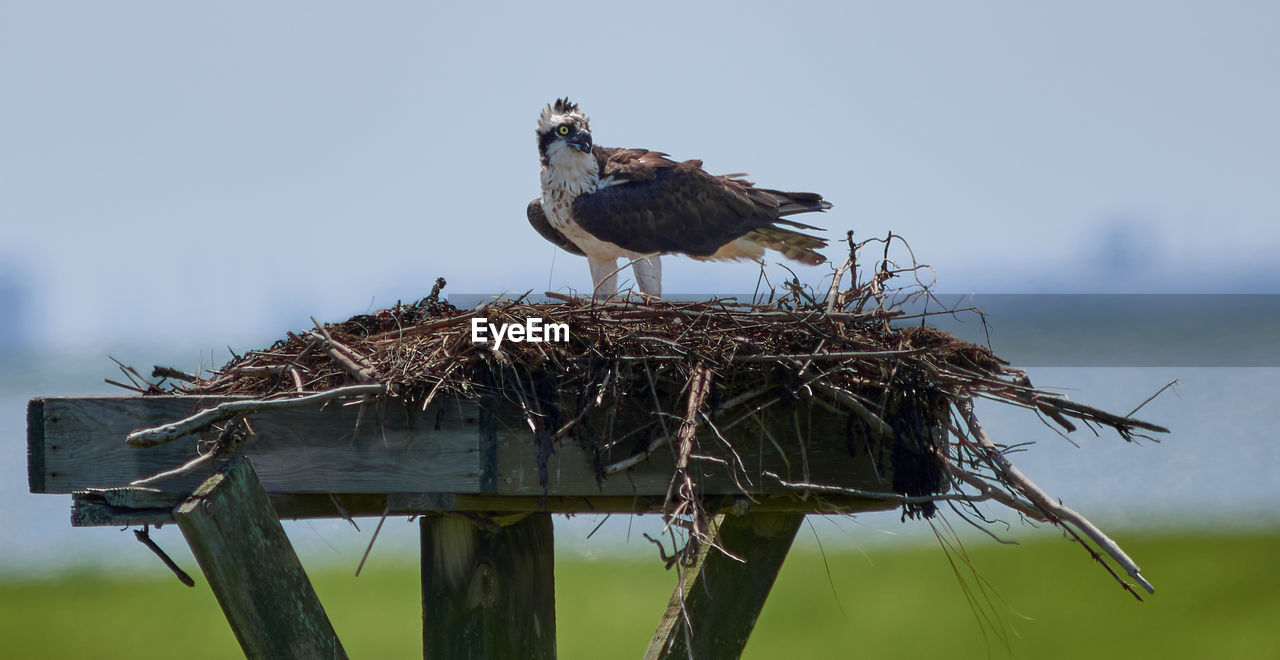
{"x": 851, "y": 351}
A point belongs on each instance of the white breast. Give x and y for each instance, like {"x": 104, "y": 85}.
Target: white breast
{"x": 559, "y": 208}
{"x": 569, "y": 174}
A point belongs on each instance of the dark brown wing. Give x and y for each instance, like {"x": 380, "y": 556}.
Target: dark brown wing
{"x": 651, "y": 204}
{"x": 538, "y": 218}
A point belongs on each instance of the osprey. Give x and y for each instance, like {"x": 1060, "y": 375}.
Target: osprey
{"x": 606, "y": 203}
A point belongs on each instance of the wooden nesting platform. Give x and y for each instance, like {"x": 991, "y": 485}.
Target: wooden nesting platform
{"x": 458, "y": 455}
{"x": 474, "y": 458}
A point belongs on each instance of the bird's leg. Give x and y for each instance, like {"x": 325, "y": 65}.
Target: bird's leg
{"x": 649, "y": 275}
{"x": 604, "y": 276}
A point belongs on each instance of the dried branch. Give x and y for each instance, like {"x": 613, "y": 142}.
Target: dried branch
{"x": 349, "y": 359}
{"x": 1054, "y": 511}
{"x": 879, "y": 495}
{"x": 209, "y": 416}
{"x": 829, "y": 355}
{"x": 186, "y": 468}
{"x": 144, "y": 536}
{"x": 158, "y": 371}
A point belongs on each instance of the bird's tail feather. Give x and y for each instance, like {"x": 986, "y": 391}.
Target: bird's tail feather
{"x": 792, "y": 244}
{"x": 798, "y": 202}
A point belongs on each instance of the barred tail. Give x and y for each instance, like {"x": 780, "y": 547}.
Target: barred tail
{"x": 792, "y": 244}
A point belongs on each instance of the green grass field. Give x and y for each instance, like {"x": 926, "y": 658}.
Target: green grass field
{"x": 1219, "y": 596}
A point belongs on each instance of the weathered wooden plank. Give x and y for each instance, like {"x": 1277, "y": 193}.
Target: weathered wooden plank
{"x": 78, "y": 443}
{"x": 111, "y": 508}
{"x": 723, "y": 597}
{"x": 92, "y": 508}
{"x": 242, "y": 549}
{"x": 417, "y": 503}
{"x": 120, "y": 507}
{"x": 488, "y": 590}
{"x": 35, "y": 445}
{"x": 457, "y": 446}
{"x": 804, "y": 444}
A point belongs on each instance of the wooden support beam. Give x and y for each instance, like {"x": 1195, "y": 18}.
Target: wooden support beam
{"x": 457, "y": 446}
{"x": 78, "y": 443}
{"x": 459, "y": 455}
{"x": 122, "y": 507}
{"x": 722, "y": 596}
{"x": 242, "y": 549}
{"x": 488, "y": 587}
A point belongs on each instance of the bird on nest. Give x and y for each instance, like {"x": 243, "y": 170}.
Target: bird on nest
{"x": 607, "y": 203}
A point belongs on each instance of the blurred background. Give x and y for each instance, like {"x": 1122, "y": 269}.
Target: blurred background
{"x": 181, "y": 180}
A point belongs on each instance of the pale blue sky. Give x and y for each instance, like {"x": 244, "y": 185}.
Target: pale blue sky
{"x": 214, "y": 173}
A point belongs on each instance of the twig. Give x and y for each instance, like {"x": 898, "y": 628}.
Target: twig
{"x": 681, "y": 482}
{"x": 669, "y": 560}
{"x": 342, "y": 510}
{"x": 158, "y": 371}
{"x": 833, "y": 355}
{"x": 144, "y": 536}
{"x": 1152, "y": 397}
{"x": 1081, "y": 411}
{"x": 635, "y": 459}
{"x": 229, "y": 441}
{"x": 878, "y": 495}
{"x": 186, "y": 468}
{"x": 117, "y": 383}
{"x": 209, "y": 416}
{"x": 1042, "y": 501}
{"x": 878, "y": 426}
{"x": 595, "y": 401}
{"x": 349, "y": 359}
{"x": 833, "y": 294}
{"x": 991, "y": 492}
{"x": 132, "y": 374}
{"x": 255, "y": 370}
{"x": 374, "y": 538}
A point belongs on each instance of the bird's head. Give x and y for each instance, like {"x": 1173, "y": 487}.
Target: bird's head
{"x": 563, "y": 132}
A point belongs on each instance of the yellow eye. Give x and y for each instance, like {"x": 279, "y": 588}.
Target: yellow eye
{"x": 563, "y": 130}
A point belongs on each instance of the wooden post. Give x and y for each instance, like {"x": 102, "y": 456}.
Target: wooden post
{"x": 488, "y": 589}
{"x": 242, "y": 549}
{"x": 722, "y": 596}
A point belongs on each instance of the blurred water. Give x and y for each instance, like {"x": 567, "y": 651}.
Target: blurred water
{"x": 1219, "y": 468}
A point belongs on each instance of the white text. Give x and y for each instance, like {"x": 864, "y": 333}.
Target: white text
{"x": 533, "y": 330}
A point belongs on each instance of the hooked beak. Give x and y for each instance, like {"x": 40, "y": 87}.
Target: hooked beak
{"x": 580, "y": 141}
